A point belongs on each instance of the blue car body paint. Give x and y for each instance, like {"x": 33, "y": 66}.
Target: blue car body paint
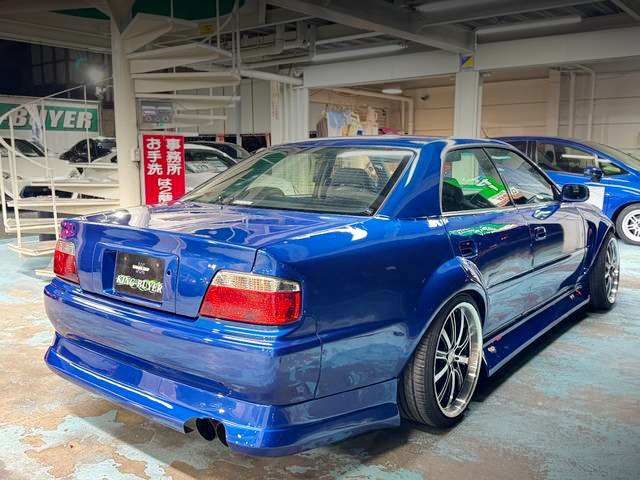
{"x": 370, "y": 287}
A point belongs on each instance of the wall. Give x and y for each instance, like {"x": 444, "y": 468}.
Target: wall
{"x": 508, "y": 108}
{"x": 616, "y": 115}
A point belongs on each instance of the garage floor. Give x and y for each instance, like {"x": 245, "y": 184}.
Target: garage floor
{"x": 568, "y": 408}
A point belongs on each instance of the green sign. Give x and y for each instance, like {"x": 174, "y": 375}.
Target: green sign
{"x": 58, "y": 118}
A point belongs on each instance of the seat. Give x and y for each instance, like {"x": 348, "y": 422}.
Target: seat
{"x": 351, "y": 178}
{"x": 452, "y": 198}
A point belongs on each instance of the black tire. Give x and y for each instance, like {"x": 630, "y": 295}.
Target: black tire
{"x": 604, "y": 294}
{"x": 626, "y": 222}
{"x": 417, "y": 391}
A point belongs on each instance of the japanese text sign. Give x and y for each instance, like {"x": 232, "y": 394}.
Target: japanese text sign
{"x": 163, "y": 157}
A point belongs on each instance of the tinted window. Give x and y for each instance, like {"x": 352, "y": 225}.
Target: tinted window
{"x": 562, "y": 158}
{"x": 525, "y": 182}
{"x": 520, "y": 145}
{"x": 322, "y": 179}
{"x": 471, "y": 182}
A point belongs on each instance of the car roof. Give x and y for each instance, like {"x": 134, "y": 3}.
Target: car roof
{"x": 407, "y": 141}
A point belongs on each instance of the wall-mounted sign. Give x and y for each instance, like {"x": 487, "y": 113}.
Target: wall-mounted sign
{"x": 163, "y": 157}
{"x": 466, "y": 62}
{"x": 156, "y": 112}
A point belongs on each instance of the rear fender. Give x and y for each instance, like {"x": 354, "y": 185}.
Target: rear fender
{"x": 457, "y": 275}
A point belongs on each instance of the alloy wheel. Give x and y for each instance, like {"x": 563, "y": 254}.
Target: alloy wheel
{"x": 611, "y": 270}
{"x": 631, "y": 225}
{"x": 457, "y": 359}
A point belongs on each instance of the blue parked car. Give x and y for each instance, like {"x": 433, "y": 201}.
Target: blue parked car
{"x": 613, "y": 177}
{"x": 326, "y": 288}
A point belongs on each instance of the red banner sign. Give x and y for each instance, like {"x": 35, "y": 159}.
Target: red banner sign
{"x": 163, "y": 157}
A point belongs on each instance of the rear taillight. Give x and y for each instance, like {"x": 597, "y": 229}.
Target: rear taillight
{"x": 64, "y": 261}
{"x": 245, "y": 297}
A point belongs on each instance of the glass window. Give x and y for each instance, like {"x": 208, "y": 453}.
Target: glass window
{"x": 346, "y": 180}
{"x": 562, "y": 158}
{"x": 471, "y": 182}
{"x": 520, "y": 145}
{"x": 526, "y": 184}
{"x": 27, "y": 148}
{"x": 611, "y": 169}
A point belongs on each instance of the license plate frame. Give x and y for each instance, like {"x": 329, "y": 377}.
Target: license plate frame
{"x": 140, "y": 276}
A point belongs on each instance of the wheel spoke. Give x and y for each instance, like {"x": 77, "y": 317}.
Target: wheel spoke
{"x": 441, "y": 372}
{"x": 453, "y": 387}
{"x": 460, "y": 359}
{"x": 463, "y": 322}
{"x": 445, "y": 337}
{"x": 440, "y": 355}
{"x": 444, "y": 387}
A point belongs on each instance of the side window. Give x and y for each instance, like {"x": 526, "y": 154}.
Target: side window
{"x": 611, "y": 169}
{"x": 526, "y": 184}
{"x": 562, "y": 158}
{"x": 520, "y": 145}
{"x": 471, "y": 182}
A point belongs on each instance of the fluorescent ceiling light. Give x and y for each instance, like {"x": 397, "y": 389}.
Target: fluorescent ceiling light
{"x": 358, "y": 52}
{"x": 529, "y": 25}
{"x": 392, "y": 90}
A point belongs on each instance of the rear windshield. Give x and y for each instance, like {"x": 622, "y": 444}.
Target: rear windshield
{"x": 345, "y": 180}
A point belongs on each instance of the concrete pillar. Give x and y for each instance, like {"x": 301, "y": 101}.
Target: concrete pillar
{"x": 468, "y": 104}
{"x": 124, "y": 105}
{"x": 553, "y": 103}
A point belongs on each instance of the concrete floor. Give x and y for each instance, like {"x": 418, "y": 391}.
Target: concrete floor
{"x": 569, "y": 408}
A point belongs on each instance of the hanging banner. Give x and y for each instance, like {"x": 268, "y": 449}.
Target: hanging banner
{"x": 163, "y": 160}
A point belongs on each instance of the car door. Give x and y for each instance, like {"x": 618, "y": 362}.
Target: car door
{"x": 486, "y": 229}
{"x": 558, "y": 231}
{"x": 566, "y": 163}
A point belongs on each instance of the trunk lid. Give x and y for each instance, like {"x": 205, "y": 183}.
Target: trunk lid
{"x": 186, "y": 243}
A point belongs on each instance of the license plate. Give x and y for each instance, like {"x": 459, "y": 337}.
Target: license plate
{"x": 139, "y": 276}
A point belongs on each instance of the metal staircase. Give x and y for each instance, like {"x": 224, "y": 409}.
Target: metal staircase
{"x": 64, "y": 195}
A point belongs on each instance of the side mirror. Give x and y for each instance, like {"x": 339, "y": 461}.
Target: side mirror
{"x": 575, "y": 192}
{"x": 594, "y": 173}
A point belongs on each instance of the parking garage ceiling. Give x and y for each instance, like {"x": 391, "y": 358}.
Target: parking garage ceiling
{"x": 308, "y": 29}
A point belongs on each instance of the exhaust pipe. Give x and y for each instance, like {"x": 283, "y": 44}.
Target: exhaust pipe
{"x": 209, "y": 429}
{"x": 206, "y": 428}
{"x": 221, "y": 432}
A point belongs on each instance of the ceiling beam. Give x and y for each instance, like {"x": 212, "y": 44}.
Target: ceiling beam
{"x": 450, "y": 11}
{"x": 383, "y": 17}
{"x": 28, "y": 6}
{"x": 58, "y": 36}
{"x": 631, "y": 7}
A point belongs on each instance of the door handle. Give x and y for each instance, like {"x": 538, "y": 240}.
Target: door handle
{"x": 468, "y": 248}
{"x": 539, "y": 233}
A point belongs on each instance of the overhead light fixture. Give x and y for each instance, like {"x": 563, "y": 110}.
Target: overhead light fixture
{"x": 529, "y": 25}
{"x": 392, "y": 90}
{"x": 359, "y": 52}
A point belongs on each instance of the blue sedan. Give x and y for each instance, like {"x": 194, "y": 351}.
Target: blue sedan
{"x": 612, "y": 176}
{"x": 326, "y": 288}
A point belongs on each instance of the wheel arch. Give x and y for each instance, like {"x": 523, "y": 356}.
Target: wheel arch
{"x": 616, "y": 213}
{"x": 453, "y": 278}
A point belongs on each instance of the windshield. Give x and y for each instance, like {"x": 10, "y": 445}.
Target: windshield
{"x": 346, "y": 180}
{"x": 204, "y": 161}
{"x": 623, "y": 157}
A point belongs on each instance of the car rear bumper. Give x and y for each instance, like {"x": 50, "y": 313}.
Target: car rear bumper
{"x": 172, "y": 397}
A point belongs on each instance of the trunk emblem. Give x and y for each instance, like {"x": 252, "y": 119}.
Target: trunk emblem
{"x": 140, "y": 267}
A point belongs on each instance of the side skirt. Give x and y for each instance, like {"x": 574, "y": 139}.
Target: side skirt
{"x": 502, "y": 347}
